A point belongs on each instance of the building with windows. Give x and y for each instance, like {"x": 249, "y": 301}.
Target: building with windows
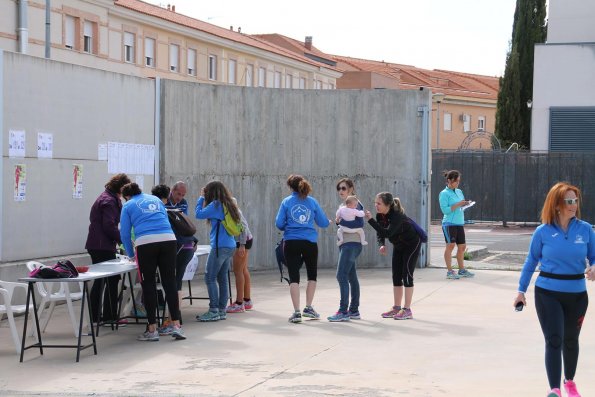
{"x": 563, "y": 104}
{"x": 141, "y": 39}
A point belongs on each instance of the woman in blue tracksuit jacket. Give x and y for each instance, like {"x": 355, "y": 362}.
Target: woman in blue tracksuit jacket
{"x": 562, "y": 244}
{"x": 155, "y": 245}
{"x": 296, "y": 218}
{"x": 215, "y": 199}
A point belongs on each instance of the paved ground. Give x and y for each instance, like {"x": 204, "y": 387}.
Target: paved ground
{"x": 465, "y": 340}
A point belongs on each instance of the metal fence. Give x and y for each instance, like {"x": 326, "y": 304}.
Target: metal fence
{"x": 511, "y": 187}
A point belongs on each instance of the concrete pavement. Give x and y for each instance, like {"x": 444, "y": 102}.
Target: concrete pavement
{"x": 465, "y": 340}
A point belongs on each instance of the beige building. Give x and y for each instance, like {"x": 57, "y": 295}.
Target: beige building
{"x": 140, "y": 39}
{"x": 464, "y": 104}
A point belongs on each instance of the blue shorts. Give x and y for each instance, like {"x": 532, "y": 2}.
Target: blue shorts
{"x": 454, "y": 234}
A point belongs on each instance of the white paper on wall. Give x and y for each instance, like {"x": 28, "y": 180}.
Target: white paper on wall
{"x": 102, "y": 152}
{"x": 45, "y": 145}
{"x": 140, "y": 181}
{"x": 16, "y": 143}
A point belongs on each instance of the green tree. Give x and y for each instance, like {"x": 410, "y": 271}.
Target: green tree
{"x": 513, "y": 117}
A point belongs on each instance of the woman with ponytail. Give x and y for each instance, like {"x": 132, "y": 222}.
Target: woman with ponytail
{"x": 215, "y": 199}
{"x": 391, "y": 223}
{"x": 296, "y": 218}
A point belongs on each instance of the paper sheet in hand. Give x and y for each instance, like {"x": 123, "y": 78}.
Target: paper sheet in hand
{"x": 471, "y": 204}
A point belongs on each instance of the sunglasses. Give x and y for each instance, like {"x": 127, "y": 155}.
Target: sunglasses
{"x": 339, "y": 188}
{"x": 571, "y": 201}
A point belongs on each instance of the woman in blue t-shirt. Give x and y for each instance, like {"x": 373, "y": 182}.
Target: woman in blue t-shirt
{"x": 561, "y": 245}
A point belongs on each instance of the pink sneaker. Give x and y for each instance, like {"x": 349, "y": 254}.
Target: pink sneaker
{"x": 248, "y": 304}
{"x": 235, "y": 308}
{"x": 570, "y": 387}
{"x": 404, "y": 314}
{"x": 392, "y": 312}
{"x": 554, "y": 393}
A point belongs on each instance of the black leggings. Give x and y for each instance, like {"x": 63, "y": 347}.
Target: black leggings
{"x": 561, "y": 316}
{"x": 297, "y": 252}
{"x": 160, "y": 255}
{"x": 404, "y": 260}
{"x": 110, "y": 293}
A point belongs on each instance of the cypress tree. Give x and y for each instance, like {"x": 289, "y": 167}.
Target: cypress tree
{"x": 513, "y": 117}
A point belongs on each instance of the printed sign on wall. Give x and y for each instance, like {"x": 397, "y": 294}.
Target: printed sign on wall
{"x": 77, "y": 181}
{"x": 45, "y": 145}
{"x": 16, "y": 143}
{"x": 20, "y": 182}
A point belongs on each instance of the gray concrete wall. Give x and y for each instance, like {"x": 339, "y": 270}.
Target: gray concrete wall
{"x": 252, "y": 139}
{"x": 82, "y": 108}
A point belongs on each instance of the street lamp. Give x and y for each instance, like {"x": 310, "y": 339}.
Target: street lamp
{"x": 438, "y": 97}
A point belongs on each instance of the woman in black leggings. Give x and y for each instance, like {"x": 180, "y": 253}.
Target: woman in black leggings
{"x": 561, "y": 244}
{"x": 392, "y": 223}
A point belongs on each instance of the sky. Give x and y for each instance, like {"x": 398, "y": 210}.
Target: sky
{"x": 469, "y": 36}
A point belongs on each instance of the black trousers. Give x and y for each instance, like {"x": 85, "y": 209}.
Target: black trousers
{"x": 297, "y": 252}
{"x": 110, "y": 293}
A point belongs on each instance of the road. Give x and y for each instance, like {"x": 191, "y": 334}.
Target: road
{"x": 496, "y": 239}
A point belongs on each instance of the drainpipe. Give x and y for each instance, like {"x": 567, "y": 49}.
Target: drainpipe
{"x": 157, "y": 129}
{"x": 48, "y": 43}
{"x": 424, "y": 113}
{"x": 22, "y": 31}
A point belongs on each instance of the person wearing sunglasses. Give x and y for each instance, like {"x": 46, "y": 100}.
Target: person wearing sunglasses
{"x": 561, "y": 244}
{"x": 349, "y": 250}
{"x": 452, "y": 202}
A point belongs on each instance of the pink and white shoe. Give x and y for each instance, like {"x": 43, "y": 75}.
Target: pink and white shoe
{"x": 554, "y": 393}
{"x": 235, "y": 308}
{"x": 570, "y": 387}
{"x": 248, "y": 304}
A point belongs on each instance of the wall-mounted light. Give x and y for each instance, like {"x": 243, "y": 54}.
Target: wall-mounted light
{"x": 529, "y": 104}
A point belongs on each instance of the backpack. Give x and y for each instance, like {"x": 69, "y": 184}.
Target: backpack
{"x": 62, "y": 269}
{"x": 423, "y": 236}
{"x": 232, "y": 227}
{"x": 180, "y": 223}
{"x": 280, "y": 259}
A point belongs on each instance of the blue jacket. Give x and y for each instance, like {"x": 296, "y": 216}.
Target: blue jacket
{"x": 447, "y": 198}
{"x": 559, "y": 253}
{"x": 147, "y": 215}
{"x": 214, "y": 213}
{"x": 296, "y": 218}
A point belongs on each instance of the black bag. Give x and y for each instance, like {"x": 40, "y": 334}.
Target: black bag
{"x": 280, "y": 259}
{"x": 180, "y": 223}
{"x": 420, "y": 231}
{"x": 62, "y": 269}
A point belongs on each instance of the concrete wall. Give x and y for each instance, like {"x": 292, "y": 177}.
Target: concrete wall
{"x": 252, "y": 139}
{"x": 82, "y": 108}
{"x": 564, "y": 75}
{"x": 571, "y": 21}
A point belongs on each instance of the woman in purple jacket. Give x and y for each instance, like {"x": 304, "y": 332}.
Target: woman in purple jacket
{"x": 101, "y": 244}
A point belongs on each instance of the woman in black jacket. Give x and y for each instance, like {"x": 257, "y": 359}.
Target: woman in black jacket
{"x": 392, "y": 223}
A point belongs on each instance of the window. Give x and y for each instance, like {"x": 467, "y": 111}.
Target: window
{"x": 262, "y": 77}
{"x": 302, "y": 83}
{"x": 212, "y": 67}
{"x": 277, "y": 80}
{"x": 318, "y": 84}
{"x": 88, "y": 37}
{"x": 191, "y": 62}
{"x": 129, "y": 47}
{"x": 288, "y": 79}
{"x": 447, "y": 121}
{"x": 69, "y": 32}
{"x": 174, "y": 58}
{"x": 466, "y": 123}
{"x": 231, "y": 71}
{"x": 249, "y": 74}
{"x": 481, "y": 123}
{"x": 149, "y": 52}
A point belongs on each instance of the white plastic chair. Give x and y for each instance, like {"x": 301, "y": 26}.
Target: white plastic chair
{"x": 49, "y": 297}
{"x": 6, "y": 291}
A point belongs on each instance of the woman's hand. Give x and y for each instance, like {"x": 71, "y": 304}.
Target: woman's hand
{"x": 590, "y": 272}
{"x": 337, "y": 220}
{"x": 242, "y": 251}
{"x": 463, "y": 202}
{"x": 368, "y": 215}
{"x": 202, "y": 191}
{"x": 382, "y": 250}
{"x": 520, "y": 298}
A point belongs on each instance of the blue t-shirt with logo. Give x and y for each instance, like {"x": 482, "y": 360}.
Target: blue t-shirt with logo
{"x": 297, "y": 216}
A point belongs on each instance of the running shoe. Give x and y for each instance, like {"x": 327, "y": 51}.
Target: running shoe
{"x": 354, "y": 315}
{"x": 404, "y": 314}
{"x": 208, "y": 316}
{"x": 452, "y": 275}
{"x": 554, "y": 393}
{"x": 222, "y": 315}
{"x": 296, "y": 317}
{"x": 338, "y": 316}
{"x": 178, "y": 333}
{"x": 309, "y": 312}
{"x": 148, "y": 336}
{"x": 464, "y": 273}
{"x": 392, "y": 312}
{"x": 235, "y": 308}
{"x": 570, "y": 387}
{"x": 248, "y": 304}
{"x": 166, "y": 329}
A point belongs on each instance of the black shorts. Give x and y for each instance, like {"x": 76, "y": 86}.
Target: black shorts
{"x": 247, "y": 246}
{"x": 454, "y": 234}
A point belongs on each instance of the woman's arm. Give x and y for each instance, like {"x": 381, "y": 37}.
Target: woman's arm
{"x": 281, "y": 218}
{"x": 211, "y": 211}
